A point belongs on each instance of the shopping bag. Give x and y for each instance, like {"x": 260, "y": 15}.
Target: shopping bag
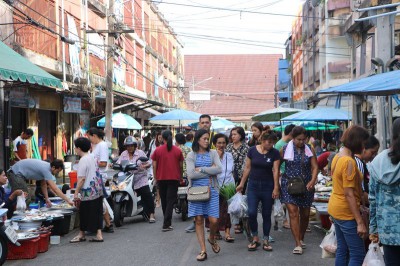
{"x": 237, "y": 207}
{"x": 279, "y": 213}
{"x": 21, "y": 204}
{"x": 374, "y": 256}
{"x": 329, "y": 243}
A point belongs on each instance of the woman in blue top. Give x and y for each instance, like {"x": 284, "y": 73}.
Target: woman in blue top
{"x": 203, "y": 165}
{"x": 262, "y": 165}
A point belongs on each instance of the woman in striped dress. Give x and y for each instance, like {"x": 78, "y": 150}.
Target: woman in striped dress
{"x": 203, "y": 165}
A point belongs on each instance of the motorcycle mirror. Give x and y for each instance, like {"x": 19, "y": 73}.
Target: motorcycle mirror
{"x": 143, "y": 159}
{"x": 116, "y": 167}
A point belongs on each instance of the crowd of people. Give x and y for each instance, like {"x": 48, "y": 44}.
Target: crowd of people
{"x": 265, "y": 168}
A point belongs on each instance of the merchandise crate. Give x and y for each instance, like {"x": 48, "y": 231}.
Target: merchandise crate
{"x": 28, "y": 249}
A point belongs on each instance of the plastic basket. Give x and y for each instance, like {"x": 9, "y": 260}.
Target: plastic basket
{"x": 44, "y": 242}
{"x": 28, "y": 249}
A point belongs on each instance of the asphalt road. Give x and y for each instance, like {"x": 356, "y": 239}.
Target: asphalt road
{"x": 141, "y": 243}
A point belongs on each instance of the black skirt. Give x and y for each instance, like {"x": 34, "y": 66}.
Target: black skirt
{"x": 91, "y": 215}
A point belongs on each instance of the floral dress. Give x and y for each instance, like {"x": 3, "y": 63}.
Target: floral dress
{"x": 239, "y": 158}
{"x": 293, "y": 169}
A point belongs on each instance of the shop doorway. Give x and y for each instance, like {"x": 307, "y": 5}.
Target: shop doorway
{"x": 47, "y": 134}
{"x": 18, "y": 121}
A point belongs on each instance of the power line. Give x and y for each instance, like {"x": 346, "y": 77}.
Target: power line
{"x": 240, "y": 10}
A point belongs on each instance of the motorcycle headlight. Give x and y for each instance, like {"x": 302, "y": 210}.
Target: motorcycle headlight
{"x": 122, "y": 186}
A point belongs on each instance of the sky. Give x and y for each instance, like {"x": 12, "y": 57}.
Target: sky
{"x": 231, "y": 26}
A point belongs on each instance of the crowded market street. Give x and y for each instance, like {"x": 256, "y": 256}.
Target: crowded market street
{"x": 140, "y": 243}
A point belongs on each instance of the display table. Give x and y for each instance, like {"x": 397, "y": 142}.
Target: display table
{"x": 322, "y": 210}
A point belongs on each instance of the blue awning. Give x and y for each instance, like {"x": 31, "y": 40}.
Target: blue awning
{"x": 378, "y": 85}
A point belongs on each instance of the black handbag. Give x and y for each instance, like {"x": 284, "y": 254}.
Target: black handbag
{"x": 296, "y": 185}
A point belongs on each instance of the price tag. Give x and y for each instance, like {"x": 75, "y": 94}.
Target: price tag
{"x": 11, "y": 234}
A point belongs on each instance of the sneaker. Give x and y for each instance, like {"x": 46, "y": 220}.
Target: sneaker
{"x": 166, "y": 229}
{"x": 108, "y": 229}
{"x": 191, "y": 228}
{"x": 271, "y": 239}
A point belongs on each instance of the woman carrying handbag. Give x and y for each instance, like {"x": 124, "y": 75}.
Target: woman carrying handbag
{"x": 203, "y": 165}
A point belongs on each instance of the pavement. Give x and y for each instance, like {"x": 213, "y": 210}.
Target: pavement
{"x": 140, "y": 243}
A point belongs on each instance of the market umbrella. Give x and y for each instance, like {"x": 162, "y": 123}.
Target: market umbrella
{"x": 319, "y": 114}
{"x": 310, "y": 125}
{"x": 120, "y": 120}
{"x": 275, "y": 114}
{"x": 217, "y": 123}
{"x": 176, "y": 117}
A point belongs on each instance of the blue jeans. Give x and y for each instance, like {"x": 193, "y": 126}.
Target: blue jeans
{"x": 260, "y": 191}
{"x": 392, "y": 255}
{"x": 350, "y": 246}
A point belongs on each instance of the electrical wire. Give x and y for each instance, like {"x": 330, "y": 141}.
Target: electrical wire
{"x": 240, "y": 10}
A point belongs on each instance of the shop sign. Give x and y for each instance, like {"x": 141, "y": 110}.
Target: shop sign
{"x": 72, "y": 105}
{"x": 19, "y": 97}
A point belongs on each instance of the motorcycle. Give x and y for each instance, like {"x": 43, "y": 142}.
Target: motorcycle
{"x": 181, "y": 205}
{"x": 126, "y": 202}
{"x": 7, "y": 234}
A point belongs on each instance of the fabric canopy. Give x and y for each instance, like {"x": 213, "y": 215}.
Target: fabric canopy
{"x": 15, "y": 67}
{"x": 378, "y": 85}
{"x": 309, "y": 125}
{"x": 120, "y": 120}
{"x": 275, "y": 114}
{"x": 319, "y": 114}
{"x": 177, "y": 117}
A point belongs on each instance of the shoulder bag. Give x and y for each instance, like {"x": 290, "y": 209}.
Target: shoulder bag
{"x": 199, "y": 194}
{"x": 296, "y": 186}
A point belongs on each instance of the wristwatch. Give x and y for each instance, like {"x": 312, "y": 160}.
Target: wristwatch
{"x": 202, "y": 170}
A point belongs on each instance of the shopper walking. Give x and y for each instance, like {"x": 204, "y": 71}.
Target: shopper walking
{"x": 257, "y": 129}
{"x": 167, "y": 170}
{"x": 344, "y": 203}
{"x": 384, "y": 199}
{"x": 262, "y": 169}
{"x": 203, "y": 165}
{"x": 300, "y": 161}
{"x": 89, "y": 192}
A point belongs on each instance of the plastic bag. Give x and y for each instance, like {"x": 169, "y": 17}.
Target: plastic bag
{"x": 237, "y": 207}
{"x": 374, "y": 256}
{"x": 279, "y": 213}
{"x": 329, "y": 243}
{"x": 21, "y": 204}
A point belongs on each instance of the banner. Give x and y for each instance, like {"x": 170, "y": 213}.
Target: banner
{"x": 74, "y": 49}
{"x": 72, "y": 105}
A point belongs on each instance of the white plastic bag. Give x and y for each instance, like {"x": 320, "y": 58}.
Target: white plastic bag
{"x": 237, "y": 207}
{"x": 374, "y": 256}
{"x": 279, "y": 213}
{"x": 329, "y": 243}
{"x": 21, "y": 204}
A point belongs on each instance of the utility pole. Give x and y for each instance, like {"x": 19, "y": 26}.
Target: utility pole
{"x": 276, "y": 92}
{"x": 110, "y": 68}
{"x": 384, "y": 49}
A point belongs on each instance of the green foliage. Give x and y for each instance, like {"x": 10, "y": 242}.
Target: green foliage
{"x": 227, "y": 191}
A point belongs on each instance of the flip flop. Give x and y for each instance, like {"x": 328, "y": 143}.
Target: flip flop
{"x": 267, "y": 246}
{"x": 77, "y": 239}
{"x": 255, "y": 244}
{"x": 214, "y": 245}
{"x": 96, "y": 240}
{"x": 229, "y": 239}
{"x": 218, "y": 237}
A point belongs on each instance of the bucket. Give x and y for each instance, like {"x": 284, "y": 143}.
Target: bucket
{"x": 54, "y": 240}
{"x": 73, "y": 177}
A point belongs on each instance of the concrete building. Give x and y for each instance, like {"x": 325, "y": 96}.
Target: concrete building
{"x": 147, "y": 71}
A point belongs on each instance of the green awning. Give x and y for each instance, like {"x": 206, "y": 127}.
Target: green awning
{"x": 17, "y": 68}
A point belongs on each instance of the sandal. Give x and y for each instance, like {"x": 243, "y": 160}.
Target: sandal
{"x": 214, "y": 245}
{"x": 96, "y": 240}
{"x": 238, "y": 229}
{"x": 286, "y": 225}
{"x": 202, "y": 256}
{"x": 253, "y": 245}
{"x": 267, "y": 246}
{"x": 229, "y": 239}
{"x": 298, "y": 250}
{"x": 303, "y": 245}
{"x": 77, "y": 239}
{"x": 218, "y": 236}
